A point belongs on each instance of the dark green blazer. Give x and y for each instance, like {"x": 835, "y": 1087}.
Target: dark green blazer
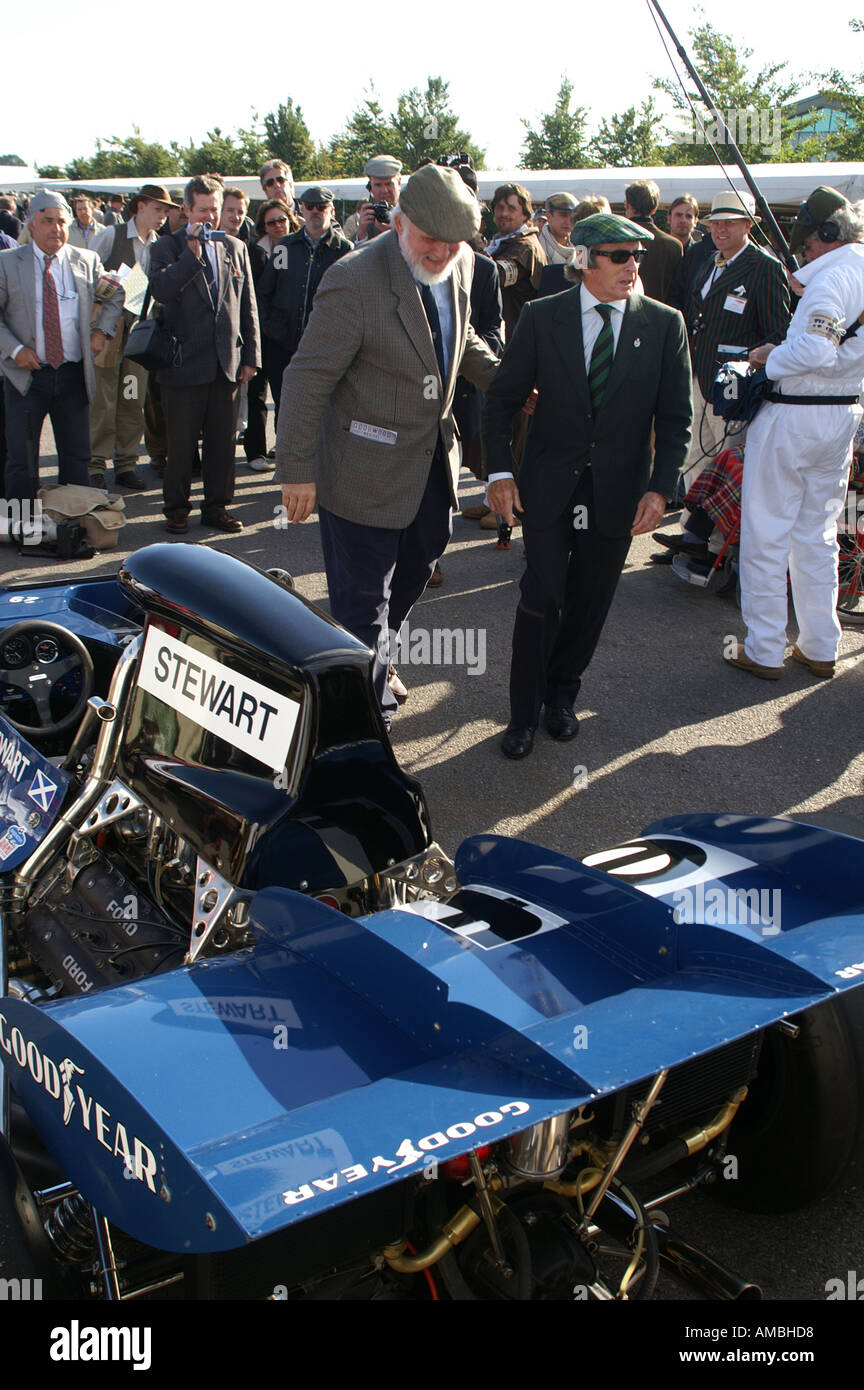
{"x": 648, "y": 391}
{"x": 765, "y": 318}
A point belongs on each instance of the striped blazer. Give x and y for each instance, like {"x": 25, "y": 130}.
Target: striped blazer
{"x": 748, "y": 304}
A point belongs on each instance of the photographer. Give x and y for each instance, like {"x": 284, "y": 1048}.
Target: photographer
{"x": 204, "y": 281}
{"x": 373, "y": 217}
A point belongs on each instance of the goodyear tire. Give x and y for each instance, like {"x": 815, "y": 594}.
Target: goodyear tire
{"x": 801, "y": 1130}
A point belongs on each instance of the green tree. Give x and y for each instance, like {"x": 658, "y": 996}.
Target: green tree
{"x": 50, "y": 171}
{"x": 130, "y": 157}
{"x": 17, "y": 161}
{"x": 368, "y": 132}
{"x": 847, "y": 142}
{"x": 751, "y": 101}
{"x": 425, "y": 127}
{"x": 217, "y": 154}
{"x": 287, "y": 137}
{"x": 559, "y": 141}
{"x": 630, "y": 139}
{"x": 252, "y": 147}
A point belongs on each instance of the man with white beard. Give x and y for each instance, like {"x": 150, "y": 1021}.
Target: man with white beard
{"x": 366, "y": 431}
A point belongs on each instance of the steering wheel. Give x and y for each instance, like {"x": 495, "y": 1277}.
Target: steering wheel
{"x": 37, "y": 677}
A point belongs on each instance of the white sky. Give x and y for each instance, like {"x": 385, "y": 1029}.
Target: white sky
{"x": 501, "y": 63}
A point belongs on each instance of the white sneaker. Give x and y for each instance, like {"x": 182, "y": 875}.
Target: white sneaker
{"x": 261, "y": 465}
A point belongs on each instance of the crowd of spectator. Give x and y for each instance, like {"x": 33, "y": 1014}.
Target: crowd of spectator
{"x": 234, "y": 288}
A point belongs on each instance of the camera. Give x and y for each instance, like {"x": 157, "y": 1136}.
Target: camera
{"x": 381, "y": 212}
{"x": 452, "y": 161}
{"x": 209, "y": 233}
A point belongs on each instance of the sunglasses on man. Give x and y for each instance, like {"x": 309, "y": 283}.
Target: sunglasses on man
{"x": 316, "y": 207}
{"x": 622, "y": 257}
{"x": 277, "y": 178}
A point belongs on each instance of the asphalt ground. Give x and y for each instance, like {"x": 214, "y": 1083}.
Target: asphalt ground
{"x": 665, "y": 727}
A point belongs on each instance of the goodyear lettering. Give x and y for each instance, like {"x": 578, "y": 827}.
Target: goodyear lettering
{"x": 137, "y": 1157}
{"x": 407, "y": 1155}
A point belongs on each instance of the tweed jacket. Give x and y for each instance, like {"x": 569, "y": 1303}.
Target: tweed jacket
{"x": 18, "y": 309}
{"x": 363, "y": 403}
{"x": 757, "y": 282}
{"x": 648, "y": 389}
{"x": 222, "y": 339}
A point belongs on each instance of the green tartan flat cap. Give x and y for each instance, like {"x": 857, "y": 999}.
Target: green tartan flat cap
{"x": 606, "y": 226}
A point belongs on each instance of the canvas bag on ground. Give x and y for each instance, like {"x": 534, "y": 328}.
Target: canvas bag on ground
{"x": 99, "y": 512}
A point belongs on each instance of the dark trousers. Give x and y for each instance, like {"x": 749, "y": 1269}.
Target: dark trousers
{"x": 376, "y": 575}
{"x": 189, "y": 411}
{"x": 255, "y": 434}
{"x": 567, "y": 589}
{"x": 59, "y": 393}
{"x": 276, "y": 358}
{"x": 155, "y": 437}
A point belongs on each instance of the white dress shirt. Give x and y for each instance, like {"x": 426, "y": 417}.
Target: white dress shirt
{"x": 719, "y": 269}
{"x": 592, "y": 322}
{"x": 67, "y": 303}
{"x": 443, "y": 296}
{"x": 140, "y": 245}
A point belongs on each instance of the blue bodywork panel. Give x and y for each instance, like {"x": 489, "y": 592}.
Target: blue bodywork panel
{"x": 31, "y": 794}
{"x": 215, "y": 1104}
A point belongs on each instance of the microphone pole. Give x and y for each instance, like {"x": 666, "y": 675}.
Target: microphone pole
{"x": 781, "y": 245}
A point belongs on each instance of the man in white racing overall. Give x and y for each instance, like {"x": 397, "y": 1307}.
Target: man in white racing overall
{"x": 797, "y": 456}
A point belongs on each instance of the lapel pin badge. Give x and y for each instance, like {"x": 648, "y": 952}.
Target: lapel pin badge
{"x": 637, "y": 342}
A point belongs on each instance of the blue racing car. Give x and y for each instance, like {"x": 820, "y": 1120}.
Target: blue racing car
{"x": 262, "y": 1038}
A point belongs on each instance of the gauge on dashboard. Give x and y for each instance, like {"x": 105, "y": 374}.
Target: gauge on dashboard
{"x": 16, "y": 652}
{"x": 46, "y": 650}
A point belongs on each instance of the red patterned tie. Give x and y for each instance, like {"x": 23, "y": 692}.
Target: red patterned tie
{"x": 51, "y": 318}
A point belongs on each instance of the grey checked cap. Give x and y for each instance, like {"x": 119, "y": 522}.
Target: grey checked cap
{"x": 382, "y": 166}
{"x": 438, "y": 202}
{"x": 47, "y": 198}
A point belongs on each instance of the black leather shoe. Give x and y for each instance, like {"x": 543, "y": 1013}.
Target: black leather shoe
{"x": 698, "y": 549}
{"x": 662, "y": 557}
{"x": 561, "y": 722}
{"x": 96, "y": 480}
{"x": 517, "y": 742}
{"x": 222, "y": 521}
{"x": 131, "y": 480}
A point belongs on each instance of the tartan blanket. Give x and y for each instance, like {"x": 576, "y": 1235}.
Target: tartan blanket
{"x": 717, "y": 491}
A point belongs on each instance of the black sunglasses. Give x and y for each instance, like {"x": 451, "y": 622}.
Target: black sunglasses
{"x": 622, "y": 257}
{"x": 316, "y": 207}
{"x": 268, "y": 183}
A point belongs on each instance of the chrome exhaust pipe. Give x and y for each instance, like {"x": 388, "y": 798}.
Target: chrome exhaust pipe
{"x": 702, "y": 1272}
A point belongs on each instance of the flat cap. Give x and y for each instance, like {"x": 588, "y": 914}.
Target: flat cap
{"x": 382, "y": 166}
{"x": 47, "y": 198}
{"x": 813, "y": 212}
{"x": 316, "y": 194}
{"x": 438, "y": 202}
{"x": 561, "y": 201}
{"x": 725, "y": 206}
{"x": 606, "y": 226}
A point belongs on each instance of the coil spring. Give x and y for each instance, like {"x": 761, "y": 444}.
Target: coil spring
{"x": 70, "y": 1230}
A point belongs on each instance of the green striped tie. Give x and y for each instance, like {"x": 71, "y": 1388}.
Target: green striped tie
{"x": 601, "y": 358}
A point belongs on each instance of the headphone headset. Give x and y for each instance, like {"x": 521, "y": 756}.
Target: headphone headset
{"x": 826, "y": 231}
